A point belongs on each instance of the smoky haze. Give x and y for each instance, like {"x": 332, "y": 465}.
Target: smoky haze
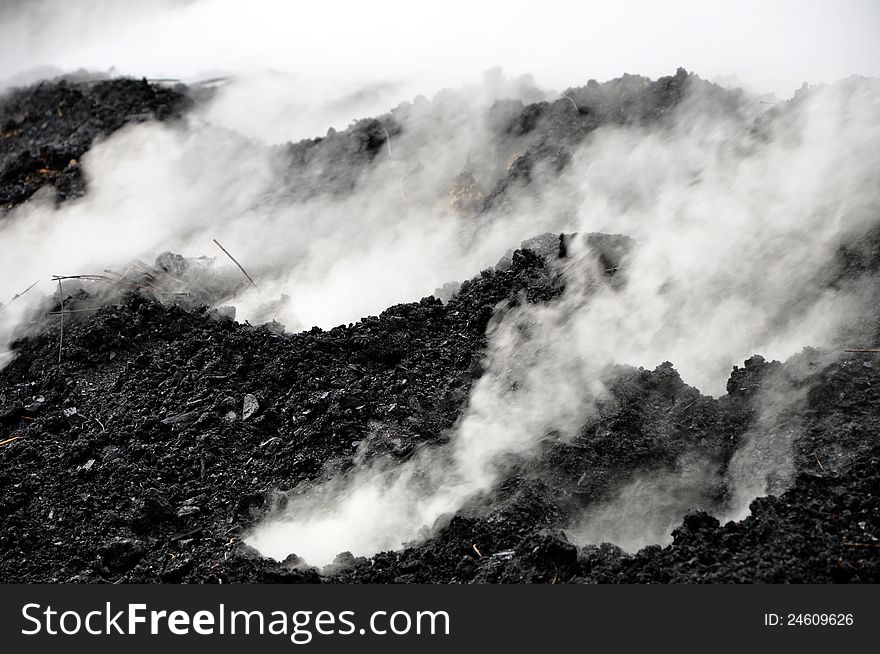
{"x": 767, "y": 46}
{"x": 734, "y": 226}
{"x": 734, "y": 232}
{"x": 155, "y": 187}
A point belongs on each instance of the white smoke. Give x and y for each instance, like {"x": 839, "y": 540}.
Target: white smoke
{"x": 156, "y": 187}
{"x": 646, "y": 509}
{"x": 768, "y": 46}
{"x": 733, "y": 228}
{"x": 735, "y": 231}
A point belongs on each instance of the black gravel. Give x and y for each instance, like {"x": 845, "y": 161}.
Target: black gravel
{"x": 45, "y": 130}
{"x": 167, "y": 429}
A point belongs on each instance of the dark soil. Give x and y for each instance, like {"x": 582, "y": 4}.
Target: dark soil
{"x": 45, "y": 130}
{"x": 134, "y": 461}
{"x": 536, "y": 139}
{"x": 167, "y": 429}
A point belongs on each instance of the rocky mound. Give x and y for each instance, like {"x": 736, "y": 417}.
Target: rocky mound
{"x": 45, "y": 129}
{"x": 143, "y": 431}
{"x": 163, "y": 434}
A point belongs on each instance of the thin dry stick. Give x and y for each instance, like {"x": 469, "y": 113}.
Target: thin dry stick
{"x": 147, "y": 285}
{"x": 93, "y": 278}
{"x": 111, "y": 280}
{"x": 865, "y": 350}
{"x": 387, "y": 140}
{"x": 235, "y": 262}
{"x": 684, "y": 408}
{"x": 9, "y": 440}
{"x": 141, "y": 269}
{"x": 61, "y": 315}
{"x": 18, "y": 295}
{"x": 573, "y": 102}
{"x": 58, "y": 313}
{"x": 88, "y": 417}
{"x": 820, "y": 463}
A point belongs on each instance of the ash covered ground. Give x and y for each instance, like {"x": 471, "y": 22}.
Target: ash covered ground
{"x": 147, "y": 434}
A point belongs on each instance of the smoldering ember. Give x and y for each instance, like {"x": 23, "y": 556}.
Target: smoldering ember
{"x": 651, "y": 354}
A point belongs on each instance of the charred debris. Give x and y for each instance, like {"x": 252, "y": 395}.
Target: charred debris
{"x": 143, "y": 431}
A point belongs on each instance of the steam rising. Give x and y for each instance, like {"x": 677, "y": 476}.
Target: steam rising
{"x": 736, "y": 224}
{"x": 767, "y": 46}
{"x": 156, "y": 187}
{"x": 736, "y": 229}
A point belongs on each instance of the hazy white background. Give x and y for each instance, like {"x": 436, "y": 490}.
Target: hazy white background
{"x": 769, "y": 45}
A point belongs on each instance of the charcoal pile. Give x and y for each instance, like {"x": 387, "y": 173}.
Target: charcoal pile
{"x": 144, "y": 433}
{"x": 534, "y": 140}
{"x": 46, "y": 129}
{"x": 821, "y": 530}
{"x": 161, "y": 436}
{"x": 174, "y": 426}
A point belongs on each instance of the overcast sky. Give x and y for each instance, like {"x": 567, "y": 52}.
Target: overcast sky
{"x": 769, "y": 45}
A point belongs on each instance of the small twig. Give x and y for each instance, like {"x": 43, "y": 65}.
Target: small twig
{"x": 110, "y": 280}
{"x": 88, "y": 417}
{"x": 58, "y": 313}
{"x": 9, "y": 440}
{"x": 387, "y": 139}
{"x": 863, "y": 350}
{"x": 684, "y": 408}
{"x": 93, "y": 278}
{"x": 18, "y": 295}
{"x": 570, "y": 99}
{"x": 476, "y": 549}
{"x": 61, "y": 315}
{"x": 97, "y": 278}
{"x": 240, "y": 267}
{"x": 140, "y": 267}
{"x": 845, "y": 543}
{"x": 820, "y": 463}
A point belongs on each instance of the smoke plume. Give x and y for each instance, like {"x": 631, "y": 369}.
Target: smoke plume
{"x": 736, "y": 226}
